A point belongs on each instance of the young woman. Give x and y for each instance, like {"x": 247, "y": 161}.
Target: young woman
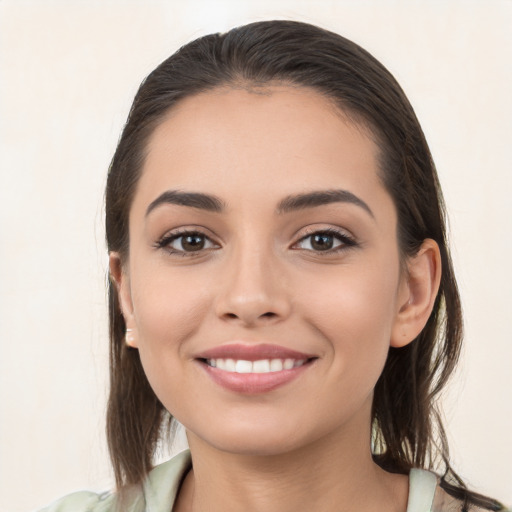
{"x": 280, "y": 284}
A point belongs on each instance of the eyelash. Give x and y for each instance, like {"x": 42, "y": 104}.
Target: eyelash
{"x": 347, "y": 242}
{"x": 166, "y": 240}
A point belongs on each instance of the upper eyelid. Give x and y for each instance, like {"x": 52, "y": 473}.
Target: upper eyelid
{"x": 343, "y": 233}
{"x": 179, "y": 232}
{"x": 164, "y": 243}
{"x": 168, "y": 237}
{"x": 309, "y": 231}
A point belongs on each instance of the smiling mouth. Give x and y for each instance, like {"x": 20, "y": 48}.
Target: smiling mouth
{"x": 254, "y": 377}
{"x": 258, "y": 366}
{"x": 254, "y": 368}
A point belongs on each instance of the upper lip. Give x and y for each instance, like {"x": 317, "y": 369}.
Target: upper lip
{"x": 252, "y": 352}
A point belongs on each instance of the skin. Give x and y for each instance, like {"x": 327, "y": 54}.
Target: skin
{"x": 259, "y": 279}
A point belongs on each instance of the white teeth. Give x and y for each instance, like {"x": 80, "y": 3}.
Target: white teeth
{"x": 260, "y": 366}
{"x": 276, "y": 365}
{"x": 288, "y": 364}
{"x": 242, "y": 366}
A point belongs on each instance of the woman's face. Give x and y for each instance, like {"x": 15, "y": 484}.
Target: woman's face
{"x": 260, "y": 231}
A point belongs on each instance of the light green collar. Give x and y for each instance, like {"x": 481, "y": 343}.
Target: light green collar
{"x": 160, "y": 496}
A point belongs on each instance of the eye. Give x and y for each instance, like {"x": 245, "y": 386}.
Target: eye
{"x": 186, "y": 242}
{"x": 327, "y": 240}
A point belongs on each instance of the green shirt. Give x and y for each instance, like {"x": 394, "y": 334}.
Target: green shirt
{"x": 160, "y": 489}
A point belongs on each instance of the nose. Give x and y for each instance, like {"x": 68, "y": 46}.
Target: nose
{"x": 254, "y": 291}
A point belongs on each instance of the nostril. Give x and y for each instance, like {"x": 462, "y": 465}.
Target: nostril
{"x": 268, "y": 315}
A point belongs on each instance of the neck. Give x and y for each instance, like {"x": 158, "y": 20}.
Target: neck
{"x": 329, "y": 475}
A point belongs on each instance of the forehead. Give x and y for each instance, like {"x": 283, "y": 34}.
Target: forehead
{"x": 277, "y": 139}
{"x": 257, "y": 110}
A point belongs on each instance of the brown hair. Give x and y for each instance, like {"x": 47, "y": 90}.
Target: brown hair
{"x": 408, "y": 431}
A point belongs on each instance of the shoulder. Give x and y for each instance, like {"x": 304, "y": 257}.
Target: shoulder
{"x": 447, "y": 502}
{"x": 427, "y": 491}
{"x": 83, "y": 501}
{"x": 157, "y": 493}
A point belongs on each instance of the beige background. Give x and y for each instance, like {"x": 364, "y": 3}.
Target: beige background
{"x": 68, "y": 73}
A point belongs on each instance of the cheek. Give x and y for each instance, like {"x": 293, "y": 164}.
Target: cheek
{"x": 167, "y": 304}
{"x": 168, "y": 311}
{"x": 354, "y": 310}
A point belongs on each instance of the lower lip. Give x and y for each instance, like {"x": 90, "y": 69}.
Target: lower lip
{"x": 252, "y": 383}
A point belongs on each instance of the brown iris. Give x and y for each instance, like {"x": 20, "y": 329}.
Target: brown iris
{"x": 193, "y": 242}
{"x": 322, "y": 241}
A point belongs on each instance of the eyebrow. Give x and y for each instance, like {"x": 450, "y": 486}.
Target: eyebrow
{"x": 319, "y": 198}
{"x": 289, "y": 204}
{"x": 190, "y": 199}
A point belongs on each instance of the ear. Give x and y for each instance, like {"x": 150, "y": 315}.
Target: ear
{"x": 418, "y": 291}
{"x": 121, "y": 281}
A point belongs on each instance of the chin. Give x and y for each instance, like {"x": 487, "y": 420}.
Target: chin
{"x": 255, "y": 445}
{"x": 258, "y": 439}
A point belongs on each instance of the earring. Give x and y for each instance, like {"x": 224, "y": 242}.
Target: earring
{"x": 129, "y": 338}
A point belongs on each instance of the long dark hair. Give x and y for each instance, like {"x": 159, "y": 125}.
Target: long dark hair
{"x": 407, "y": 427}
